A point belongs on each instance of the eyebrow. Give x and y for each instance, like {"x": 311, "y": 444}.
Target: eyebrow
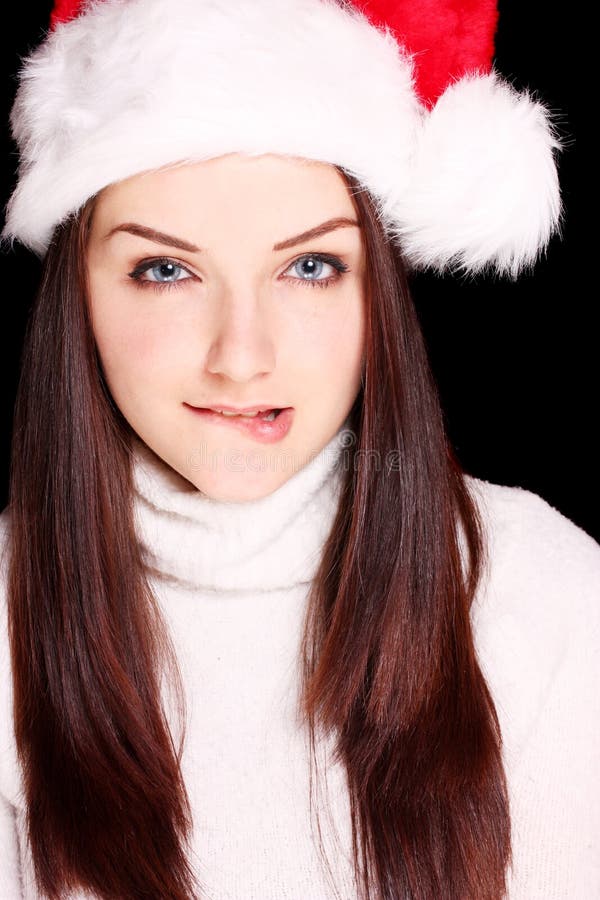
{"x": 317, "y": 231}
{"x": 152, "y": 234}
{"x": 159, "y": 237}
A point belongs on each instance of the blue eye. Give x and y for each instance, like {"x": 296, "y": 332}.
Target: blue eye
{"x": 164, "y": 271}
{"x": 311, "y": 265}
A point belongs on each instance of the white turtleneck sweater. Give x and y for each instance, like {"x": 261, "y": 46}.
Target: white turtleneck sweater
{"x": 232, "y": 580}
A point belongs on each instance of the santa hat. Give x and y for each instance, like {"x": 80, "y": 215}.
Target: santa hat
{"x": 402, "y": 95}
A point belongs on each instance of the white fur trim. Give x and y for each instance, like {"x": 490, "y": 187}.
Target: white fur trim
{"x": 129, "y": 87}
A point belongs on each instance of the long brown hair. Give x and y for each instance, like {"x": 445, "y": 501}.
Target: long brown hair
{"x": 387, "y": 661}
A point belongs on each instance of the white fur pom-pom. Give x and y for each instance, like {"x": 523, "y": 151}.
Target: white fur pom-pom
{"x": 484, "y": 190}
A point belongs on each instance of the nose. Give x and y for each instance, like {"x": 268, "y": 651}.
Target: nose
{"x": 242, "y": 346}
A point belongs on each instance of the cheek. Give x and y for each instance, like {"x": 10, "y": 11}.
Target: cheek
{"x": 134, "y": 350}
{"x": 330, "y": 343}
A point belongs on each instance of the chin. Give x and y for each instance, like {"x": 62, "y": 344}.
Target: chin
{"x": 245, "y": 490}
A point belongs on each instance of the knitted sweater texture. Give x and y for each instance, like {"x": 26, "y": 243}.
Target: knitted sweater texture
{"x": 232, "y": 580}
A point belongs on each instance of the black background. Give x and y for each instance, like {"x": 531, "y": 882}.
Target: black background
{"x": 515, "y": 362}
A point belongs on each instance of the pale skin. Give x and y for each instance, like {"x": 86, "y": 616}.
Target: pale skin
{"x": 239, "y": 325}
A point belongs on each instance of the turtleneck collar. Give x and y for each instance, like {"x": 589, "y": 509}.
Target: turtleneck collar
{"x": 270, "y": 543}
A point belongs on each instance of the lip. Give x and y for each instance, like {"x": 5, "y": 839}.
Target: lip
{"x": 257, "y": 429}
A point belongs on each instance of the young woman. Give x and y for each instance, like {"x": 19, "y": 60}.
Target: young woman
{"x": 261, "y": 636}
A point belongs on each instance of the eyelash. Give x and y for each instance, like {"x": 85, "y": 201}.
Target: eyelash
{"x": 160, "y": 286}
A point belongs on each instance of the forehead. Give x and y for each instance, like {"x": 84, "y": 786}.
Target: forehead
{"x": 267, "y": 191}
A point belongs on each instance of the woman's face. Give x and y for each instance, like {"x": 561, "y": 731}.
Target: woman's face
{"x": 229, "y": 306}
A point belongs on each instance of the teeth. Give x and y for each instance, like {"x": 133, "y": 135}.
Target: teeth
{"x": 266, "y": 418}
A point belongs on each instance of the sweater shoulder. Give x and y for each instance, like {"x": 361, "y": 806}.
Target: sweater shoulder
{"x": 534, "y": 545}
{"x": 536, "y": 614}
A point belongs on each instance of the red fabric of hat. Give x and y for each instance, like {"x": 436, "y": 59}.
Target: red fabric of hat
{"x": 450, "y": 38}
